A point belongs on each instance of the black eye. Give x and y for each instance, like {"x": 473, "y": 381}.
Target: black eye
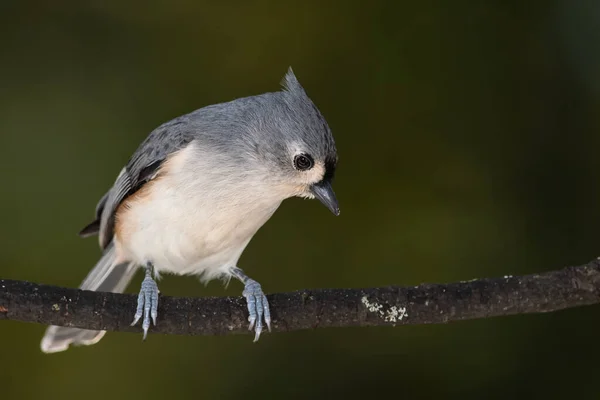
{"x": 303, "y": 162}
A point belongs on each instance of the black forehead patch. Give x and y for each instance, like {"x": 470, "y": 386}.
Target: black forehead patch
{"x": 330, "y": 164}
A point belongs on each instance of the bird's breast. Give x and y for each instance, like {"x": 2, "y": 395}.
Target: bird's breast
{"x": 187, "y": 225}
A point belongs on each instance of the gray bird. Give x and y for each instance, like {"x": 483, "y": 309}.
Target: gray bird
{"x": 197, "y": 190}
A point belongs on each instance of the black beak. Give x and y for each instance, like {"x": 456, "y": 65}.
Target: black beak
{"x": 324, "y": 193}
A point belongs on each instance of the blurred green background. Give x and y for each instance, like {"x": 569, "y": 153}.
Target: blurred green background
{"x": 468, "y": 141}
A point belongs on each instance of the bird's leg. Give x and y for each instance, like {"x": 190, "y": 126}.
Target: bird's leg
{"x": 147, "y": 303}
{"x": 258, "y": 306}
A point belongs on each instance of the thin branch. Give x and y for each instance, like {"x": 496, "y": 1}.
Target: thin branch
{"x": 309, "y": 309}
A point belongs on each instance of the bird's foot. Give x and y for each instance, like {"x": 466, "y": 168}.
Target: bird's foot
{"x": 147, "y": 304}
{"x": 258, "y": 307}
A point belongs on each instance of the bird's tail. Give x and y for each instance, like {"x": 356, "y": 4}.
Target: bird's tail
{"x": 106, "y": 276}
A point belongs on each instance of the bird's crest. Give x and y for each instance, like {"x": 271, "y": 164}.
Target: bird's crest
{"x": 290, "y": 82}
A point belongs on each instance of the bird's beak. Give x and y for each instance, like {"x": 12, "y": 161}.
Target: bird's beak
{"x": 324, "y": 193}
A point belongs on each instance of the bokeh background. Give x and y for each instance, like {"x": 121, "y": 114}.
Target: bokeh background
{"x": 468, "y": 141}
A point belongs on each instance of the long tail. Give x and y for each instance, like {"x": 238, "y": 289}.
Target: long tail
{"x": 106, "y": 276}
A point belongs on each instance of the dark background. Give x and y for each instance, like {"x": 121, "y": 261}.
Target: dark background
{"x": 468, "y": 141}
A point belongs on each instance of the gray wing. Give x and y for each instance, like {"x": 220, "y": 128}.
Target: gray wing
{"x": 141, "y": 168}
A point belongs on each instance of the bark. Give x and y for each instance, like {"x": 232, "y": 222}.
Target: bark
{"x": 309, "y": 309}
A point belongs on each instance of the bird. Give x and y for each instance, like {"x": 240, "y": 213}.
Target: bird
{"x": 196, "y": 191}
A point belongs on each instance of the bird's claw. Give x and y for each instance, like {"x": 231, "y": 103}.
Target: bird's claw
{"x": 147, "y": 304}
{"x": 258, "y": 307}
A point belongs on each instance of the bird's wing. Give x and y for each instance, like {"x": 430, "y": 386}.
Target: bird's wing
{"x": 141, "y": 168}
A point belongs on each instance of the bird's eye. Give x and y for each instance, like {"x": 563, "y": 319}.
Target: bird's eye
{"x": 303, "y": 162}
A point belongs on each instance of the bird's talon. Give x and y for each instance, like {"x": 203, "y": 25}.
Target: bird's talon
{"x": 147, "y": 304}
{"x": 258, "y": 308}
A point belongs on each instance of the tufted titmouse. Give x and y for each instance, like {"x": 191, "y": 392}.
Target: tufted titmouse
{"x": 196, "y": 191}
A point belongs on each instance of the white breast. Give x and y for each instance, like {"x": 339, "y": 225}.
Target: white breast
{"x": 192, "y": 219}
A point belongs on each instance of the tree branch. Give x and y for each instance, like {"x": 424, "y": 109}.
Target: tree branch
{"x": 309, "y": 309}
